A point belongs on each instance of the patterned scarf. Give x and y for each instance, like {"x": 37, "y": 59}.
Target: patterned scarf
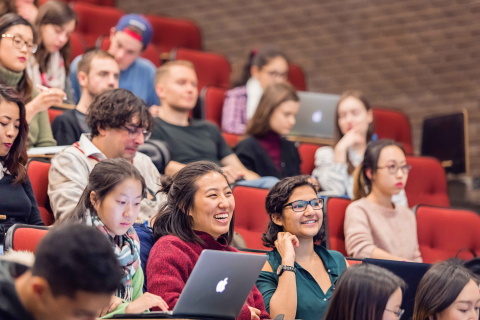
{"x": 127, "y": 249}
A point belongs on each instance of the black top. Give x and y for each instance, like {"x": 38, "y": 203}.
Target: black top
{"x": 255, "y": 158}
{"x": 67, "y": 129}
{"x": 18, "y": 203}
{"x": 201, "y": 140}
{"x": 11, "y": 308}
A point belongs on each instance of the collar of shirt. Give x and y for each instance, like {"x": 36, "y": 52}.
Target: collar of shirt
{"x": 89, "y": 148}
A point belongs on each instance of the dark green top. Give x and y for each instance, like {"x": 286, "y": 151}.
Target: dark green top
{"x": 312, "y": 302}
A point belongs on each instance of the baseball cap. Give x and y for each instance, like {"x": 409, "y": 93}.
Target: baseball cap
{"x": 139, "y": 22}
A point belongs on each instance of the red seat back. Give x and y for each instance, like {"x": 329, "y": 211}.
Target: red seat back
{"x": 426, "y": 183}
{"x": 391, "y": 124}
{"x": 95, "y": 21}
{"x": 24, "y": 237}
{"x": 231, "y": 139}
{"x": 335, "y": 216}
{"x": 38, "y": 174}
{"x": 442, "y": 232}
{"x": 150, "y": 53}
{"x": 212, "y": 69}
{"x": 251, "y": 218}
{"x": 171, "y": 33}
{"x": 77, "y": 45}
{"x": 296, "y": 77}
{"x": 212, "y": 103}
{"x": 53, "y": 113}
{"x": 307, "y": 155}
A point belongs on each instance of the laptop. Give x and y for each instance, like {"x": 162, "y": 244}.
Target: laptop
{"x": 316, "y": 116}
{"x": 217, "y": 288}
{"x": 411, "y": 273}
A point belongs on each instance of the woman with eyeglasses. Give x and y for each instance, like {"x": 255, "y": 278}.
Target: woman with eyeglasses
{"x": 299, "y": 276}
{"x": 264, "y": 67}
{"x": 374, "y": 226}
{"x": 17, "y": 45}
{"x": 448, "y": 291}
{"x": 367, "y": 292}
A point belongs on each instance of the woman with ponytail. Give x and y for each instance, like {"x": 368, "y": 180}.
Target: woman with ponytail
{"x": 264, "y": 67}
{"x": 111, "y": 203}
{"x": 374, "y": 226}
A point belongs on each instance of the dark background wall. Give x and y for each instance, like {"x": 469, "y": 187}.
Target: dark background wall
{"x": 419, "y": 56}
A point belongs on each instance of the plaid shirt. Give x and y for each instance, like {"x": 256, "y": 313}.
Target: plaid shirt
{"x": 234, "y": 114}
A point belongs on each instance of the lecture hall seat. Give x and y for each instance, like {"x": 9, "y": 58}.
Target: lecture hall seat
{"x": 391, "y": 124}
{"x": 24, "y": 237}
{"x": 38, "y": 174}
{"x": 334, "y": 211}
{"x": 296, "y": 77}
{"x": 307, "y": 155}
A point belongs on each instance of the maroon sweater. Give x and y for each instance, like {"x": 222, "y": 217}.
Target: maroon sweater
{"x": 171, "y": 262}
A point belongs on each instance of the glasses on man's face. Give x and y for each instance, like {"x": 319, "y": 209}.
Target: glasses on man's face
{"x": 393, "y": 168}
{"x": 135, "y": 132}
{"x": 301, "y": 205}
{"x": 18, "y": 43}
{"x": 275, "y": 74}
{"x": 398, "y": 313}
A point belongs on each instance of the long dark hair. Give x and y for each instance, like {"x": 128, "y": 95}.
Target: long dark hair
{"x": 57, "y": 13}
{"x": 273, "y": 96}
{"x": 276, "y": 199}
{"x": 362, "y": 293}
{"x": 259, "y": 58}
{"x": 16, "y": 159}
{"x": 338, "y": 133}
{"x": 440, "y": 287}
{"x": 105, "y": 176}
{"x": 173, "y": 218}
{"x": 24, "y": 86}
{"x": 362, "y": 185}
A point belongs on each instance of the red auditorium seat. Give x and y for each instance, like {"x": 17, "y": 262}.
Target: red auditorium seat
{"x": 335, "y": 216}
{"x": 53, "y": 113}
{"x": 77, "y": 44}
{"x": 212, "y": 104}
{"x": 307, "y": 155}
{"x": 95, "y": 21}
{"x": 212, "y": 69}
{"x": 426, "y": 183}
{"x": 38, "y": 174}
{"x": 296, "y": 77}
{"x": 24, "y": 237}
{"x": 443, "y": 232}
{"x": 174, "y": 33}
{"x": 231, "y": 139}
{"x": 251, "y": 218}
{"x": 391, "y": 124}
{"x": 150, "y": 52}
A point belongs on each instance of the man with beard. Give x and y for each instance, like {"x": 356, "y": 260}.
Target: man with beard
{"x": 98, "y": 71}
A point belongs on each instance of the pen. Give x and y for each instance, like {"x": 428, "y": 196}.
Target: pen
{"x": 42, "y": 88}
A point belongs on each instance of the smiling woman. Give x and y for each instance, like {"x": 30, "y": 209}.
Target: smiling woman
{"x": 198, "y": 215}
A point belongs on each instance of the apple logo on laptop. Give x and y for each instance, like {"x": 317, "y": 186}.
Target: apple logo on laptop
{"x": 222, "y": 284}
{"x": 317, "y": 116}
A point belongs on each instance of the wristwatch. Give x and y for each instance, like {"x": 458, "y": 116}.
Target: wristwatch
{"x": 282, "y": 268}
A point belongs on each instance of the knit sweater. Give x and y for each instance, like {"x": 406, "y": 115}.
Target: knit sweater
{"x": 369, "y": 225}
{"x": 171, "y": 262}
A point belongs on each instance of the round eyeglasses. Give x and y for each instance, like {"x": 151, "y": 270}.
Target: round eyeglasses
{"x": 301, "y": 205}
{"x": 134, "y": 133}
{"x": 18, "y": 42}
{"x": 393, "y": 168}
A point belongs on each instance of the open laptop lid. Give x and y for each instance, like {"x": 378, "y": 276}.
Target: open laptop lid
{"x": 316, "y": 116}
{"x": 411, "y": 273}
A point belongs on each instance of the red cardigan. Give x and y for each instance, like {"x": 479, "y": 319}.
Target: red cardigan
{"x": 171, "y": 262}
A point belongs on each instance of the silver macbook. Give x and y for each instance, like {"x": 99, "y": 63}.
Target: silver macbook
{"x": 217, "y": 288}
{"x": 316, "y": 116}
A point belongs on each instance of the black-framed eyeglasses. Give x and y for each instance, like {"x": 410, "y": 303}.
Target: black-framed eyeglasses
{"x": 275, "y": 74}
{"x": 301, "y": 205}
{"x": 398, "y": 313}
{"x": 134, "y": 133}
{"x": 393, "y": 168}
{"x": 18, "y": 42}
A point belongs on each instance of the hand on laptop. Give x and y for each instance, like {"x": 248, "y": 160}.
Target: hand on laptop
{"x": 114, "y": 303}
{"x": 255, "y": 313}
{"x": 146, "y": 302}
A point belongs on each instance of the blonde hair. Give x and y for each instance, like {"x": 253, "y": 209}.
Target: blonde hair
{"x": 165, "y": 69}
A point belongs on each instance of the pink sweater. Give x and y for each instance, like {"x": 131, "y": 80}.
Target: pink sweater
{"x": 369, "y": 226}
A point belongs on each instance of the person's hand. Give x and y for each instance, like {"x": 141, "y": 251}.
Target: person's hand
{"x": 286, "y": 244}
{"x": 27, "y": 10}
{"x": 231, "y": 174}
{"x": 255, "y": 313}
{"x": 114, "y": 303}
{"x": 45, "y": 99}
{"x": 355, "y": 136}
{"x": 146, "y": 302}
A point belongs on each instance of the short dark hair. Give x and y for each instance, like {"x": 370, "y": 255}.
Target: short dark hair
{"x": 76, "y": 258}
{"x": 86, "y": 60}
{"x": 362, "y": 292}
{"x": 115, "y": 108}
{"x": 276, "y": 199}
{"x": 173, "y": 218}
{"x": 440, "y": 287}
